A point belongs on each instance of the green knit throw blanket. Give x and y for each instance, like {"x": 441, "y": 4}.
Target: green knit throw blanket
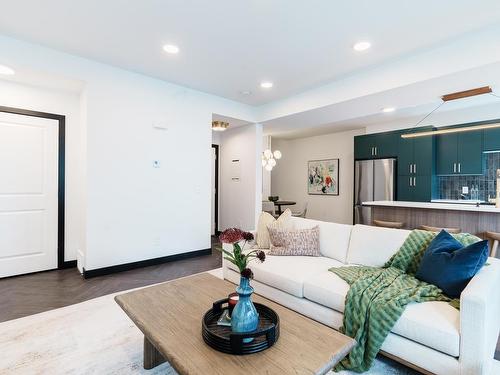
{"x": 378, "y": 296}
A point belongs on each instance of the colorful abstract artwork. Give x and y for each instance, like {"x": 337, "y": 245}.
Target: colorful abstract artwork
{"x": 323, "y": 177}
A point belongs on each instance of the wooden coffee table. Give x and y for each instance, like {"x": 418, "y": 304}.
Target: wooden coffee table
{"x": 170, "y": 316}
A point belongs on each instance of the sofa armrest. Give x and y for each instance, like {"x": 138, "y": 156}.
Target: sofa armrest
{"x": 479, "y": 319}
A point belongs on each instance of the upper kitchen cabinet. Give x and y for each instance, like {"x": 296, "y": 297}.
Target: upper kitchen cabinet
{"x": 460, "y": 153}
{"x": 491, "y": 140}
{"x": 376, "y": 146}
{"x": 416, "y": 155}
{"x": 363, "y": 147}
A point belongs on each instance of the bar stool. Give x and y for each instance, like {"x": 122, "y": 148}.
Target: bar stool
{"x": 437, "y": 229}
{"x": 494, "y": 238}
{"x": 388, "y": 224}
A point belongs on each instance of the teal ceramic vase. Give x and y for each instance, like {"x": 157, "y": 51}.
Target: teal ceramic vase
{"x": 245, "y": 317}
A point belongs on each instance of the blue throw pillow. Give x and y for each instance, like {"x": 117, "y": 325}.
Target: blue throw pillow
{"x": 449, "y": 265}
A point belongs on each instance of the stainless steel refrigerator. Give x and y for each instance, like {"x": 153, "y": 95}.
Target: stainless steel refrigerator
{"x": 374, "y": 180}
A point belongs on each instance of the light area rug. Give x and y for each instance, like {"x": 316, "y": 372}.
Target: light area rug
{"x": 92, "y": 337}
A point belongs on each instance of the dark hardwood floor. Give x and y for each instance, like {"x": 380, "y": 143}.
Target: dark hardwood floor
{"x": 30, "y": 294}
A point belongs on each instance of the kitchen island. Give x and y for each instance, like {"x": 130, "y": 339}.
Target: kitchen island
{"x": 468, "y": 217}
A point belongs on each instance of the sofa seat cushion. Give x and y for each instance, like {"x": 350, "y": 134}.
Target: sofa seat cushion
{"x": 288, "y": 273}
{"x": 327, "y": 289}
{"x": 434, "y": 324}
{"x": 333, "y": 237}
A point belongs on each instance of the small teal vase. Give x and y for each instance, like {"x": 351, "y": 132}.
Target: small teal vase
{"x": 245, "y": 317}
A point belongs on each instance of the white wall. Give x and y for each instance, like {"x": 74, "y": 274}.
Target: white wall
{"x": 289, "y": 177}
{"x": 240, "y": 201}
{"x": 68, "y": 104}
{"x": 134, "y": 211}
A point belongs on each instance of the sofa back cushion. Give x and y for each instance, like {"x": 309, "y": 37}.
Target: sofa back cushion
{"x": 333, "y": 237}
{"x": 374, "y": 246}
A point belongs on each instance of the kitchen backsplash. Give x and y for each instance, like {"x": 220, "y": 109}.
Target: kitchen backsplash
{"x": 450, "y": 187}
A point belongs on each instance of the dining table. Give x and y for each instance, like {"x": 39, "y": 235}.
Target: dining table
{"x": 279, "y": 204}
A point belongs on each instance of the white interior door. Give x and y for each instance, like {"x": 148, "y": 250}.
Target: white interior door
{"x": 28, "y": 194}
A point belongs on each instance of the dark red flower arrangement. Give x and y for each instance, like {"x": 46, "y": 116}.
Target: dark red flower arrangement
{"x": 238, "y": 257}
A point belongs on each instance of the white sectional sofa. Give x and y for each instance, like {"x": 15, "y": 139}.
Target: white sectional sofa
{"x": 432, "y": 336}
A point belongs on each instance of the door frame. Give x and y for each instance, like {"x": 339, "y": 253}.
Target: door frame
{"x": 61, "y": 263}
{"x": 216, "y": 177}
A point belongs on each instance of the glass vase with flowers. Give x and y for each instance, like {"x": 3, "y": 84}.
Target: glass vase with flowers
{"x": 244, "y": 317}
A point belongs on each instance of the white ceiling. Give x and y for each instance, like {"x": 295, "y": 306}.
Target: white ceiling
{"x": 227, "y": 46}
{"x": 412, "y": 103}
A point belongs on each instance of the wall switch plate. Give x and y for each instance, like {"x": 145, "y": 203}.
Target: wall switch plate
{"x": 465, "y": 190}
{"x": 156, "y": 164}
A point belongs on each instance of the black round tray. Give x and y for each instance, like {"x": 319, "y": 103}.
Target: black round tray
{"x": 221, "y": 338}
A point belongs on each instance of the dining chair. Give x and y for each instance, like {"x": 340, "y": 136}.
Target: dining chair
{"x": 494, "y": 238}
{"x": 268, "y": 206}
{"x": 439, "y": 229}
{"x": 388, "y": 224}
{"x": 301, "y": 213}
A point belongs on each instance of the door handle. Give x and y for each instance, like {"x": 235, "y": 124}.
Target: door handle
{"x": 376, "y": 151}
{"x": 414, "y": 168}
{"x": 414, "y": 181}
{"x": 373, "y": 151}
{"x": 459, "y": 167}
{"x": 410, "y": 182}
{"x": 454, "y": 167}
{"x": 409, "y": 165}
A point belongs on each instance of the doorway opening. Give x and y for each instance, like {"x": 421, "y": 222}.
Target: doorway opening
{"x": 215, "y": 190}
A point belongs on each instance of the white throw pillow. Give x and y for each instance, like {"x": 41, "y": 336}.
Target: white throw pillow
{"x": 266, "y": 220}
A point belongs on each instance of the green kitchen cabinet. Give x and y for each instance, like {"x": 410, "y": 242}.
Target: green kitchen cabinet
{"x": 470, "y": 152}
{"x": 447, "y": 153}
{"x": 424, "y": 156}
{"x": 363, "y": 147}
{"x": 404, "y": 188}
{"x": 416, "y": 155}
{"x": 422, "y": 188}
{"x": 491, "y": 140}
{"x": 416, "y": 164}
{"x": 376, "y": 146}
{"x": 386, "y": 144}
{"x": 460, "y": 153}
{"x": 414, "y": 188}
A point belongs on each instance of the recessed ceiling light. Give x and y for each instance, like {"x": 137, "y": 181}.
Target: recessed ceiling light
{"x": 171, "y": 48}
{"x": 5, "y": 70}
{"x": 362, "y": 46}
{"x": 388, "y": 109}
{"x": 266, "y": 85}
